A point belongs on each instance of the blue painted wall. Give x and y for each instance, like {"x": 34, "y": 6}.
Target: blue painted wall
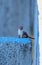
{"x": 36, "y": 33}
{"x": 15, "y": 54}
{"x": 20, "y": 12}
{"x": 12, "y": 14}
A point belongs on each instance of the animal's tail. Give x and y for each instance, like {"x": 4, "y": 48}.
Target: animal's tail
{"x": 31, "y": 38}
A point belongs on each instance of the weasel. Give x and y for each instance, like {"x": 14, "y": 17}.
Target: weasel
{"x": 23, "y": 34}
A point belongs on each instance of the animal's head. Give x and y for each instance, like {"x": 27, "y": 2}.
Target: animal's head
{"x": 20, "y": 27}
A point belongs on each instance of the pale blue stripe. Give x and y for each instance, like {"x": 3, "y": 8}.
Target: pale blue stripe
{"x": 12, "y": 40}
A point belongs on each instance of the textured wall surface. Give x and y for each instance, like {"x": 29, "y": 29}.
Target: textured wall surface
{"x": 15, "y": 54}
{"x": 12, "y": 14}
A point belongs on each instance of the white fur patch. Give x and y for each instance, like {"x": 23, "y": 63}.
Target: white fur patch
{"x": 20, "y": 32}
